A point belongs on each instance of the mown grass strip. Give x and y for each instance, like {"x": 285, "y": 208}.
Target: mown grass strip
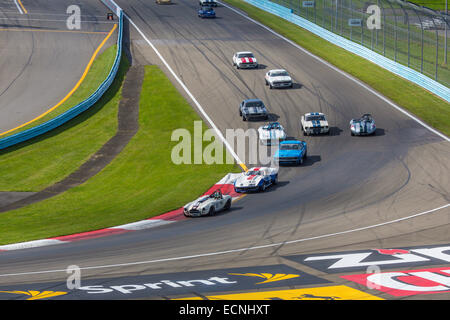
{"x": 45, "y": 160}
{"x": 140, "y": 183}
{"x": 426, "y": 106}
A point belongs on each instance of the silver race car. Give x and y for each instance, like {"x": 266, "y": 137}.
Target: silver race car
{"x": 208, "y": 205}
{"x": 363, "y": 126}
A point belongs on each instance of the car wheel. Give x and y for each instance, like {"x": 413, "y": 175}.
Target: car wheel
{"x": 270, "y": 86}
{"x": 244, "y": 118}
{"x": 240, "y": 113}
{"x": 266, "y": 82}
{"x": 263, "y": 187}
{"x": 212, "y": 211}
{"x": 351, "y": 133}
{"x": 227, "y": 205}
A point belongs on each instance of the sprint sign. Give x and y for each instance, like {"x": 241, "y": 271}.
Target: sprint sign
{"x": 406, "y": 283}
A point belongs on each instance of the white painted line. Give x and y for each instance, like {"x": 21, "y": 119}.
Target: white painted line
{"x": 141, "y": 225}
{"x": 343, "y": 73}
{"x": 271, "y": 245}
{"x": 18, "y": 6}
{"x": 202, "y": 111}
{"x": 31, "y": 244}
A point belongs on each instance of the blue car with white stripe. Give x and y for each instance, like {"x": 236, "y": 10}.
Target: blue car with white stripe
{"x": 291, "y": 152}
{"x": 206, "y": 12}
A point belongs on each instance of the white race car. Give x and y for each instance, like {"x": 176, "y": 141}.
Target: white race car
{"x": 244, "y": 59}
{"x": 278, "y": 78}
{"x": 271, "y": 133}
{"x": 256, "y": 179}
{"x": 208, "y": 205}
{"x": 211, "y": 3}
{"x": 314, "y": 123}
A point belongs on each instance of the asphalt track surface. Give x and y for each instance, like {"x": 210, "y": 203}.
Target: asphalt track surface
{"x": 41, "y": 59}
{"x": 341, "y": 199}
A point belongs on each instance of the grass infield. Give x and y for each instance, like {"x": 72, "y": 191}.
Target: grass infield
{"x": 45, "y": 160}
{"x": 140, "y": 183}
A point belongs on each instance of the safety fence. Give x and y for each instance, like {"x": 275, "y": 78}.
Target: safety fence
{"x": 312, "y": 16}
{"x": 76, "y": 110}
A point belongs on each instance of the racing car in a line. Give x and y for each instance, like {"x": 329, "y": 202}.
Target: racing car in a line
{"x": 244, "y": 59}
{"x": 291, "y": 152}
{"x": 256, "y": 179}
{"x": 208, "y": 205}
{"x": 206, "y": 12}
{"x": 278, "y": 78}
{"x": 314, "y": 123}
{"x": 211, "y": 3}
{"x": 253, "y": 109}
{"x": 271, "y": 133}
{"x": 363, "y": 126}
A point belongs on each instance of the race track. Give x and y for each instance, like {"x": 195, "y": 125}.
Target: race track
{"x": 41, "y": 59}
{"x": 353, "y": 194}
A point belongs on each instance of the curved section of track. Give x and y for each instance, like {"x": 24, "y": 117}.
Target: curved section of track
{"x": 348, "y": 183}
{"x": 41, "y": 59}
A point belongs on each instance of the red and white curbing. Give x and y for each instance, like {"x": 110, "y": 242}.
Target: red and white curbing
{"x": 225, "y": 185}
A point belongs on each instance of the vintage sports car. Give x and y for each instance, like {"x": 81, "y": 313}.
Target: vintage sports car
{"x": 206, "y": 12}
{"x": 291, "y": 152}
{"x": 271, "y": 133}
{"x": 244, "y": 59}
{"x": 314, "y": 123}
{"x": 363, "y": 126}
{"x": 253, "y": 109}
{"x": 256, "y": 179}
{"x": 208, "y": 205}
{"x": 278, "y": 78}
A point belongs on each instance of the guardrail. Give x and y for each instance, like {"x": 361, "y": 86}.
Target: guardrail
{"x": 386, "y": 63}
{"x": 76, "y": 110}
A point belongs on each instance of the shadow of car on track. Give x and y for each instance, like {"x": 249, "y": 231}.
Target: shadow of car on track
{"x": 295, "y": 86}
{"x": 378, "y": 133}
{"x": 335, "y": 131}
{"x": 309, "y": 161}
{"x": 223, "y": 212}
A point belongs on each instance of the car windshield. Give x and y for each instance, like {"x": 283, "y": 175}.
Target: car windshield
{"x": 253, "y": 104}
{"x": 315, "y": 118}
{"x": 272, "y": 126}
{"x": 279, "y": 74}
{"x": 253, "y": 173}
{"x": 245, "y": 55}
{"x": 290, "y": 146}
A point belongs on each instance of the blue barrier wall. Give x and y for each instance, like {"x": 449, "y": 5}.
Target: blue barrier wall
{"x": 74, "y": 111}
{"x": 388, "y": 64}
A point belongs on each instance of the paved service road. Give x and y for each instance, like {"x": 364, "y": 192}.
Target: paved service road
{"x": 354, "y": 194}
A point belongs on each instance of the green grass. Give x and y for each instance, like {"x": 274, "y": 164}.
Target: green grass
{"x": 43, "y": 161}
{"x": 393, "y": 46}
{"x": 423, "y": 104}
{"x": 432, "y": 4}
{"x": 140, "y": 183}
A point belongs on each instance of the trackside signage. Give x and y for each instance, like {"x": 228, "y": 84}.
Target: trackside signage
{"x": 182, "y": 283}
{"x": 381, "y": 258}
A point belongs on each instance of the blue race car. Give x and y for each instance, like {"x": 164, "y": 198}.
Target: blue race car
{"x": 206, "y": 12}
{"x": 291, "y": 152}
